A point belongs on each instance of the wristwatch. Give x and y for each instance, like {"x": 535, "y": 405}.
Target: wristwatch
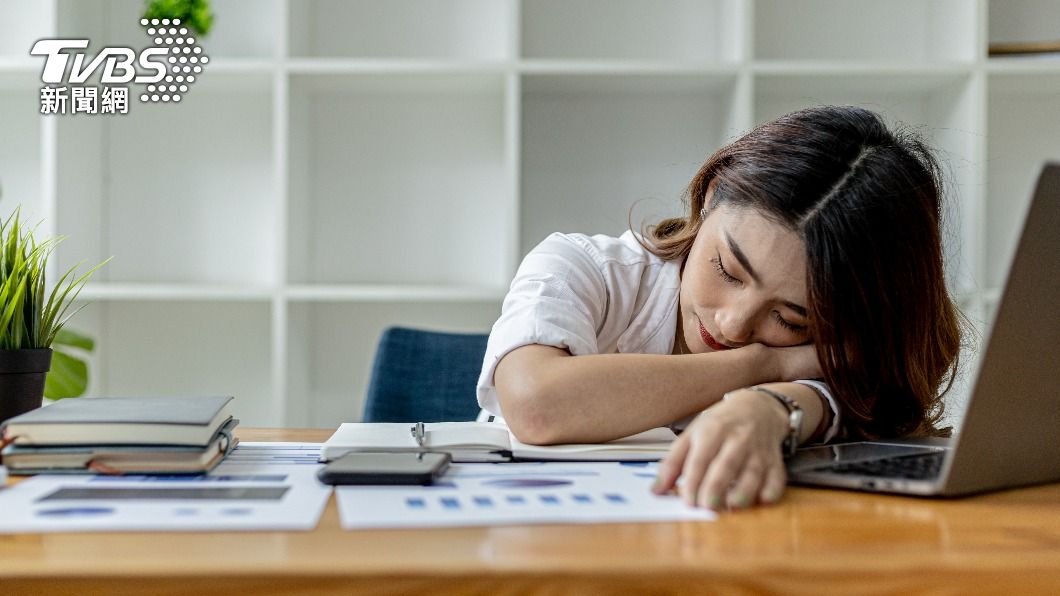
{"x": 791, "y": 441}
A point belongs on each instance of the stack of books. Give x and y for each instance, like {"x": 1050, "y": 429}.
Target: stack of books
{"x": 126, "y": 435}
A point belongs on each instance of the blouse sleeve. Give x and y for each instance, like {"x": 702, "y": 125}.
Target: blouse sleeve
{"x": 558, "y": 298}
{"x": 823, "y": 390}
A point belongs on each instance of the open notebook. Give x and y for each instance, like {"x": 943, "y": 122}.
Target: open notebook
{"x": 487, "y": 442}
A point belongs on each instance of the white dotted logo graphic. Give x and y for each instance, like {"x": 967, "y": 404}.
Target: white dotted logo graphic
{"x": 185, "y": 59}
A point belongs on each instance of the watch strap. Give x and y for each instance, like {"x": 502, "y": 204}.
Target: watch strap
{"x": 791, "y": 441}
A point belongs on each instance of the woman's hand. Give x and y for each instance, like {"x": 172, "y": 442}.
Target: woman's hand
{"x": 730, "y": 454}
{"x": 796, "y": 362}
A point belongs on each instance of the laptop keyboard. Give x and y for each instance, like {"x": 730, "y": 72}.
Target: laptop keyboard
{"x": 919, "y": 466}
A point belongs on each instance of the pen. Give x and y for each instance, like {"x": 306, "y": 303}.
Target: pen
{"x": 418, "y": 433}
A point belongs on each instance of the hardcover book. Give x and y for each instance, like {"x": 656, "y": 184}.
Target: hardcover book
{"x": 122, "y": 459}
{"x": 177, "y": 420}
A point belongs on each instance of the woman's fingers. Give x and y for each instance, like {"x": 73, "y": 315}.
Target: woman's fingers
{"x": 723, "y": 470}
{"x": 745, "y": 490}
{"x": 671, "y": 465}
{"x": 729, "y": 455}
{"x": 775, "y": 481}
{"x": 703, "y": 448}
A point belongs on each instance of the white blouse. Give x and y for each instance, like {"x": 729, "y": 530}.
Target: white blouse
{"x": 592, "y": 295}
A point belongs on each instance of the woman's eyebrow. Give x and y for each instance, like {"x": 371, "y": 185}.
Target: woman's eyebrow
{"x": 742, "y": 258}
{"x": 795, "y": 307}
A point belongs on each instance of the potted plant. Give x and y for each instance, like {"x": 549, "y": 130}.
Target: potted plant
{"x": 195, "y": 14}
{"x": 68, "y": 376}
{"x": 31, "y": 318}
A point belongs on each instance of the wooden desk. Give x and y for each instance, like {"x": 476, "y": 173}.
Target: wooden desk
{"x": 814, "y": 542}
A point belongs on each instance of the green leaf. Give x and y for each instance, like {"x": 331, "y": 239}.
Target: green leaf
{"x": 69, "y": 337}
{"x": 55, "y": 315}
{"x": 193, "y": 13}
{"x": 68, "y": 376}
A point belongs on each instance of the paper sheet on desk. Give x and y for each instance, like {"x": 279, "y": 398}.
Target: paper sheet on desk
{"x": 260, "y": 486}
{"x": 517, "y": 493}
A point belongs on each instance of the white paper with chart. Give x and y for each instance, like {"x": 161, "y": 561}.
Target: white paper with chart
{"x": 481, "y": 494}
{"x": 260, "y": 486}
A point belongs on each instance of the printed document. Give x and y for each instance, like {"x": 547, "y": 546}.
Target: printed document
{"x": 486, "y": 494}
{"x": 260, "y": 486}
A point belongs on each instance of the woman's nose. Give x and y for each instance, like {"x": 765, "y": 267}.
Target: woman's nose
{"x": 736, "y": 327}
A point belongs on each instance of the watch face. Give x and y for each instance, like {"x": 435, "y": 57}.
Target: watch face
{"x": 794, "y": 431}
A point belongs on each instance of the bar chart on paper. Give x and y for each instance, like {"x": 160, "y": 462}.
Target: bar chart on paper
{"x": 260, "y": 486}
{"x": 521, "y": 493}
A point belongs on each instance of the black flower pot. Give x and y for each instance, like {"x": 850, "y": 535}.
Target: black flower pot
{"x": 22, "y": 375}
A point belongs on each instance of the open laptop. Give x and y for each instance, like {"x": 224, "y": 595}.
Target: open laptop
{"x": 1010, "y": 433}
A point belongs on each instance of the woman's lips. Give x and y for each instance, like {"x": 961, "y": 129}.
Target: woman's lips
{"x": 709, "y": 339}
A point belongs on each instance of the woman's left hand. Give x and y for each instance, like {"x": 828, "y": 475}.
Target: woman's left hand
{"x": 729, "y": 455}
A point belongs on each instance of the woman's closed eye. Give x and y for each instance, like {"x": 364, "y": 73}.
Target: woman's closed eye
{"x": 723, "y": 273}
{"x": 729, "y": 278}
{"x": 788, "y": 325}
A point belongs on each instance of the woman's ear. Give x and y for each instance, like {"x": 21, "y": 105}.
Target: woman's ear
{"x": 708, "y": 200}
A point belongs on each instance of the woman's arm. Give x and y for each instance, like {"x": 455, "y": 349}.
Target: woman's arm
{"x": 730, "y": 454}
{"x": 548, "y": 396}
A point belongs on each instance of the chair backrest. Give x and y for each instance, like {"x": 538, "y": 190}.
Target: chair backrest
{"x": 424, "y": 376}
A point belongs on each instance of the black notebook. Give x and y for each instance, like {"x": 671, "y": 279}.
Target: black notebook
{"x": 179, "y": 420}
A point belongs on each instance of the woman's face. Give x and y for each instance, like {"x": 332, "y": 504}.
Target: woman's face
{"x": 744, "y": 282}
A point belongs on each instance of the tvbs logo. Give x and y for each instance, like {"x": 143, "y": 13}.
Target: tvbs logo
{"x": 167, "y": 69}
{"x": 118, "y": 62}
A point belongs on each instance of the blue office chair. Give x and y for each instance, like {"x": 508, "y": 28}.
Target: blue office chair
{"x": 424, "y": 376}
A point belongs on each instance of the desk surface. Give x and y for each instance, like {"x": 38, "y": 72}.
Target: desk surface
{"x": 814, "y": 542}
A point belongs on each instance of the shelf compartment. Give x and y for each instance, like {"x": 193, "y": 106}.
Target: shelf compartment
{"x": 331, "y": 348}
{"x": 939, "y": 107}
{"x": 398, "y": 179}
{"x": 175, "y": 292}
{"x": 21, "y": 157}
{"x": 907, "y": 74}
{"x": 393, "y": 293}
{"x": 241, "y": 28}
{"x": 241, "y": 66}
{"x": 913, "y": 31}
{"x": 175, "y": 348}
{"x": 23, "y": 23}
{"x": 624, "y": 67}
{"x": 671, "y": 30}
{"x": 1023, "y": 25}
{"x": 1024, "y": 65}
{"x": 391, "y": 66}
{"x": 176, "y": 193}
{"x": 28, "y": 68}
{"x": 445, "y": 29}
{"x": 593, "y": 147}
{"x": 1023, "y": 132}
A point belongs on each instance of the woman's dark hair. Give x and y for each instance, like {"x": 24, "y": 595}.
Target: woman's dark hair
{"x": 867, "y": 204}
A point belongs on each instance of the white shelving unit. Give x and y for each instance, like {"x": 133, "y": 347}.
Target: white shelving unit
{"x": 347, "y": 165}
